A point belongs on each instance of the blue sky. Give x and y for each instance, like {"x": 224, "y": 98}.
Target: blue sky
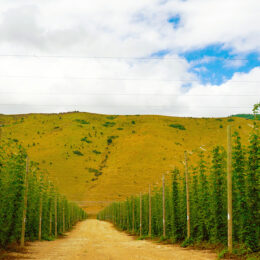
{"x": 175, "y": 20}
{"x": 214, "y": 64}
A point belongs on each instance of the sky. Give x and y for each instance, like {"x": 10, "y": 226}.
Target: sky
{"x": 198, "y": 58}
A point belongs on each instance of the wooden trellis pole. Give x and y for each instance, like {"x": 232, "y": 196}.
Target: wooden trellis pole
{"x": 50, "y": 227}
{"x": 187, "y": 194}
{"x": 163, "y": 198}
{"x": 229, "y": 187}
{"x": 133, "y": 215}
{"x": 72, "y": 215}
{"x": 40, "y": 218}
{"x": 69, "y": 216}
{"x": 150, "y": 212}
{"x": 55, "y": 212}
{"x": 63, "y": 218}
{"x": 140, "y": 214}
{"x": 25, "y": 202}
{"x": 50, "y": 215}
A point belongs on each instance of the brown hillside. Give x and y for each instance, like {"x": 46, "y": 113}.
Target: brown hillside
{"x": 96, "y": 159}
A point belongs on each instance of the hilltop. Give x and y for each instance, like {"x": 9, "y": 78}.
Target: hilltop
{"x": 97, "y": 158}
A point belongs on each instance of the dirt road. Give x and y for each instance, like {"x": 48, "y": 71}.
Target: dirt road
{"x": 98, "y": 240}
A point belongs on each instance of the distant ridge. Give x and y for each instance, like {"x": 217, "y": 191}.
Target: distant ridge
{"x": 247, "y": 116}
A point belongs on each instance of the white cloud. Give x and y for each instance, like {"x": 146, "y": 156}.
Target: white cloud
{"x": 233, "y": 23}
{"x": 121, "y": 29}
{"x": 234, "y": 96}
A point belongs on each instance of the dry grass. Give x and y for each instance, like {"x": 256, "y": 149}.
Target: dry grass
{"x": 142, "y": 149}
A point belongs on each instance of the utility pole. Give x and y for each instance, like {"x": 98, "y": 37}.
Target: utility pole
{"x": 25, "y": 202}
{"x": 187, "y": 194}
{"x": 229, "y": 187}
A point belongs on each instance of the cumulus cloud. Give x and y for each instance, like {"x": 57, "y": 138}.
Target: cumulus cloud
{"x": 112, "y": 32}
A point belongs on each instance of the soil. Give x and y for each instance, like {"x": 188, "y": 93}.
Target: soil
{"x": 99, "y": 240}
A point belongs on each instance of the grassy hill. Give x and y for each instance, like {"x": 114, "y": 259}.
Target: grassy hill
{"x": 247, "y": 116}
{"x": 100, "y": 158}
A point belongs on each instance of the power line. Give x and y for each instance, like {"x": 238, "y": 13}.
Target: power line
{"x": 115, "y": 58}
{"x": 117, "y": 79}
{"x": 145, "y": 106}
{"x": 127, "y": 94}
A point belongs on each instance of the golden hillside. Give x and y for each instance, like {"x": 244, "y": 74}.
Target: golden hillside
{"x": 99, "y": 158}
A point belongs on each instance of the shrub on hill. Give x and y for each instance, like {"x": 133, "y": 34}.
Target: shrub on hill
{"x": 95, "y": 171}
{"x": 96, "y": 152}
{"x": 109, "y": 124}
{"x": 85, "y": 139}
{"x": 110, "y": 139}
{"x": 78, "y": 153}
{"x": 178, "y": 126}
{"x": 82, "y": 121}
{"x": 111, "y": 117}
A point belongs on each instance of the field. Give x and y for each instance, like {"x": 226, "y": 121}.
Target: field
{"x": 95, "y": 159}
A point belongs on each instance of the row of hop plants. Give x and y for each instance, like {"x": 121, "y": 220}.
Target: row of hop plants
{"x": 48, "y": 213}
{"x": 208, "y": 201}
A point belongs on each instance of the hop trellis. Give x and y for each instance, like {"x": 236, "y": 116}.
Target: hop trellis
{"x": 208, "y": 200}
{"x": 30, "y": 205}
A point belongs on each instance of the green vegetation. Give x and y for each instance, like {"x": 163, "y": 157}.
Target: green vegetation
{"x": 247, "y": 116}
{"x": 78, "y": 153}
{"x": 178, "y": 126}
{"x": 97, "y": 172}
{"x": 208, "y": 201}
{"x": 82, "y": 121}
{"x": 85, "y": 139}
{"x": 109, "y": 124}
{"x": 111, "y": 117}
{"x": 42, "y": 196}
{"x": 96, "y": 152}
{"x": 110, "y": 139}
